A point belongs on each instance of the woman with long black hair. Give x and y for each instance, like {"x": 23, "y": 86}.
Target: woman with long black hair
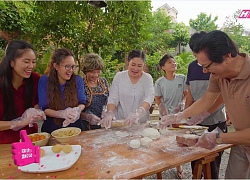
{"x": 18, "y": 92}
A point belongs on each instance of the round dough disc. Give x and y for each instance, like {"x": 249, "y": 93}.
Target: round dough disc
{"x": 135, "y": 144}
{"x": 121, "y": 134}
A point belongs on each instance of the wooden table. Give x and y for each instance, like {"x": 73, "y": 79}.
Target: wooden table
{"x": 104, "y": 155}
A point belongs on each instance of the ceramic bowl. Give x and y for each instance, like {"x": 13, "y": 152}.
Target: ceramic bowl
{"x": 39, "y": 139}
{"x": 66, "y": 135}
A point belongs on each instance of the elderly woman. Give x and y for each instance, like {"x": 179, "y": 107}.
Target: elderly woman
{"x": 131, "y": 93}
{"x": 96, "y": 90}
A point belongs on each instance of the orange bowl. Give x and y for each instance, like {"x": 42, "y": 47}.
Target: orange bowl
{"x": 38, "y": 141}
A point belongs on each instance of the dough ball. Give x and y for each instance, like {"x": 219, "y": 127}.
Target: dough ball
{"x": 67, "y": 148}
{"x": 145, "y": 141}
{"x": 42, "y": 152}
{"x": 135, "y": 144}
{"x": 151, "y": 133}
{"x": 121, "y": 134}
{"x": 57, "y": 148}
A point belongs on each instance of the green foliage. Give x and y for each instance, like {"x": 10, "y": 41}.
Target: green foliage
{"x": 153, "y": 65}
{"x": 10, "y": 19}
{"x": 43, "y": 58}
{"x": 83, "y": 28}
{"x": 111, "y": 67}
{"x": 235, "y": 31}
{"x": 204, "y": 22}
{"x": 159, "y": 37}
{"x": 111, "y": 32}
{"x": 14, "y": 16}
{"x": 183, "y": 61}
{"x": 1, "y": 53}
{"x": 180, "y": 35}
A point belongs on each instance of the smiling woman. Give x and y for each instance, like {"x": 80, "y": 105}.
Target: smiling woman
{"x": 131, "y": 93}
{"x": 18, "y": 92}
{"x": 96, "y": 90}
{"x": 61, "y": 93}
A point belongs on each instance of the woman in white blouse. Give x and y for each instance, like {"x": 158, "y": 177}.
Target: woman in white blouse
{"x": 131, "y": 93}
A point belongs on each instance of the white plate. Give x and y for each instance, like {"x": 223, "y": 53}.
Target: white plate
{"x": 192, "y": 127}
{"x": 52, "y": 162}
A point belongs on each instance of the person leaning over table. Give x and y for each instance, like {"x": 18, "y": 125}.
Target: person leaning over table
{"x": 197, "y": 82}
{"x": 230, "y": 76}
{"x": 18, "y": 92}
{"x": 131, "y": 93}
{"x": 61, "y": 92}
{"x": 96, "y": 90}
{"x": 170, "y": 90}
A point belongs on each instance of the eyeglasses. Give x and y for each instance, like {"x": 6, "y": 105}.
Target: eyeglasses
{"x": 69, "y": 67}
{"x": 206, "y": 67}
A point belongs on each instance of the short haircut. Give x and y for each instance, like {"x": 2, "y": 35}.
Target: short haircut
{"x": 164, "y": 59}
{"x": 195, "y": 38}
{"x": 91, "y": 62}
{"x": 216, "y": 44}
{"x": 136, "y": 54}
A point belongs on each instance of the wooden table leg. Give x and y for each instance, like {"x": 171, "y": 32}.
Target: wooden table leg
{"x": 197, "y": 169}
{"x": 204, "y": 163}
{"x": 159, "y": 175}
{"x": 207, "y": 171}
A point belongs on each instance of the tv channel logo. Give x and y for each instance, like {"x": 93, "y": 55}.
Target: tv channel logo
{"x": 244, "y": 14}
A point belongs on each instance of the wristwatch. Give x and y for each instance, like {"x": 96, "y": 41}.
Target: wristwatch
{"x": 218, "y": 139}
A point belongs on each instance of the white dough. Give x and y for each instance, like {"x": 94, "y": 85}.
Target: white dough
{"x": 165, "y": 131}
{"x": 121, "y": 134}
{"x": 145, "y": 141}
{"x": 151, "y": 133}
{"x": 135, "y": 144}
{"x": 190, "y": 136}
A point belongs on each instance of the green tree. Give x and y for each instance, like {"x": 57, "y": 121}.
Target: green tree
{"x": 157, "y": 28}
{"x": 180, "y": 35}
{"x": 236, "y": 31}
{"x": 204, "y": 22}
{"x": 84, "y": 28}
{"x": 183, "y": 61}
{"x": 14, "y": 19}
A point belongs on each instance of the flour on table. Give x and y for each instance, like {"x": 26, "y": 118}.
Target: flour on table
{"x": 135, "y": 144}
{"x": 151, "y": 133}
{"x": 145, "y": 141}
{"x": 165, "y": 131}
{"x": 121, "y": 134}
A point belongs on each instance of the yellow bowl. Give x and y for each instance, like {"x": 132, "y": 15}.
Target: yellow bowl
{"x": 66, "y": 135}
{"x": 42, "y": 142}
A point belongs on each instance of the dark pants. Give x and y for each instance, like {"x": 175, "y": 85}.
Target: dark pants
{"x": 215, "y": 165}
{"x": 86, "y": 126}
